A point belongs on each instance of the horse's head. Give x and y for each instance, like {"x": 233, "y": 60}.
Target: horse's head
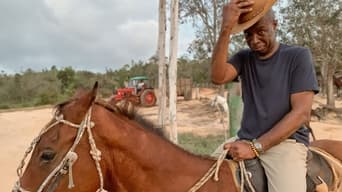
{"x": 58, "y": 146}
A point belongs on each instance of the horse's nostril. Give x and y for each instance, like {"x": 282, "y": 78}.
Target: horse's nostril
{"x": 16, "y": 190}
{"x": 17, "y": 187}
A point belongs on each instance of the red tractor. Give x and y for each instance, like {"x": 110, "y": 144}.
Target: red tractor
{"x": 138, "y": 91}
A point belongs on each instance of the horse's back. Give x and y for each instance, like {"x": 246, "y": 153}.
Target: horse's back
{"x": 333, "y": 147}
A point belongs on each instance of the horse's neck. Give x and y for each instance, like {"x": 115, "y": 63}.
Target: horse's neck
{"x": 139, "y": 156}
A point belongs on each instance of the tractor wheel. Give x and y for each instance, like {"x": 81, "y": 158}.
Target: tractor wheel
{"x": 148, "y": 98}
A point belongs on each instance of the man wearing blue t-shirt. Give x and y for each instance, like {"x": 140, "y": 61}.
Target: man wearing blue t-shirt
{"x": 278, "y": 85}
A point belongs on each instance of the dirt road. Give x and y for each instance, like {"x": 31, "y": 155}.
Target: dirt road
{"x": 17, "y": 131}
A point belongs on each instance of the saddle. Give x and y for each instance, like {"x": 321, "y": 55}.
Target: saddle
{"x": 322, "y": 175}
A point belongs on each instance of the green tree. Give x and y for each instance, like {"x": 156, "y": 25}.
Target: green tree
{"x": 318, "y": 25}
{"x": 67, "y": 78}
{"x": 205, "y": 17}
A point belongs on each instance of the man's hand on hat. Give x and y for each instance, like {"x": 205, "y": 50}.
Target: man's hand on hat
{"x": 233, "y": 10}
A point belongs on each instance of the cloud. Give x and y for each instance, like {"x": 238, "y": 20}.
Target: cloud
{"x": 84, "y": 34}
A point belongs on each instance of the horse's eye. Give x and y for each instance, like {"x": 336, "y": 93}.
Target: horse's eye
{"x": 47, "y": 155}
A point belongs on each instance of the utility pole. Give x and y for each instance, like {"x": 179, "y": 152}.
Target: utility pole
{"x": 162, "y": 66}
{"x": 173, "y": 71}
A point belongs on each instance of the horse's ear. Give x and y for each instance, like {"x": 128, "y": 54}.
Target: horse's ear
{"x": 94, "y": 92}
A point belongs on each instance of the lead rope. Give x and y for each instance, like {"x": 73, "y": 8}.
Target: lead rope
{"x": 245, "y": 177}
{"x": 214, "y": 171}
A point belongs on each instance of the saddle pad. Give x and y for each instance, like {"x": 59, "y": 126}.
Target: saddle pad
{"x": 256, "y": 178}
{"x": 336, "y": 167}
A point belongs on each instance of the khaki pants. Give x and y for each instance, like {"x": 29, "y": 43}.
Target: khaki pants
{"x": 284, "y": 164}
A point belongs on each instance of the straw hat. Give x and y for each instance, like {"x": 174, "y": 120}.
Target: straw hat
{"x": 246, "y": 20}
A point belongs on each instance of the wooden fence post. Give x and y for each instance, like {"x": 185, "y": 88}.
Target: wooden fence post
{"x": 235, "y": 107}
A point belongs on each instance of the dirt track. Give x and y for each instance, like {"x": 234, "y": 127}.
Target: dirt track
{"x": 18, "y": 128}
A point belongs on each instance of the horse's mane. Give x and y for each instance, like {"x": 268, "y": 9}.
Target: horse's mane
{"x": 128, "y": 109}
{"x": 148, "y": 125}
{"x": 123, "y": 107}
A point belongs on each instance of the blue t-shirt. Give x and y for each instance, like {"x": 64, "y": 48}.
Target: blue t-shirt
{"x": 267, "y": 86}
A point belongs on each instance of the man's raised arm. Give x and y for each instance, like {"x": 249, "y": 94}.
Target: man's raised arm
{"x": 221, "y": 71}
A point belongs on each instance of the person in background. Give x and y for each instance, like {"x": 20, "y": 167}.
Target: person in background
{"x": 140, "y": 86}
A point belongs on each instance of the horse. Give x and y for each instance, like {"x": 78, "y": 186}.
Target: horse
{"x": 89, "y": 146}
{"x": 221, "y": 104}
{"x": 132, "y": 158}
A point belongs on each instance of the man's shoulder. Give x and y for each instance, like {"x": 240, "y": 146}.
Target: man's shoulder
{"x": 245, "y": 51}
{"x": 292, "y": 49}
{"x": 296, "y": 55}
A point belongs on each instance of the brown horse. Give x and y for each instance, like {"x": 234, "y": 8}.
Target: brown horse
{"x": 330, "y": 146}
{"x": 133, "y": 158}
{"x": 123, "y": 157}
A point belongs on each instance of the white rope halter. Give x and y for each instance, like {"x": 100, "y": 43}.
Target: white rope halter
{"x": 65, "y": 166}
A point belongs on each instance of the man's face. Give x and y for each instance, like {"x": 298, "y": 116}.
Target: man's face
{"x": 261, "y": 36}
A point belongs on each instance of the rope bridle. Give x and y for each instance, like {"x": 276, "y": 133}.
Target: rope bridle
{"x": 65, "y": 166}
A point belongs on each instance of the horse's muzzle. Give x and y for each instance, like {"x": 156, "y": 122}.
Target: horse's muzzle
{"x": 17, "y": 188}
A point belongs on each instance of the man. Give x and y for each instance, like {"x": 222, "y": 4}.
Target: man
{"x": 140, "y": 86}
{"x": 278, "y": 86}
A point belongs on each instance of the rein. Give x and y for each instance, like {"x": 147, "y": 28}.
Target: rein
{"x": 214, "y": 171}
{"x": 65, "y": 166}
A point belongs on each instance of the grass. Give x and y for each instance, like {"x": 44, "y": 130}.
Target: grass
{"x": 199, "y": 144}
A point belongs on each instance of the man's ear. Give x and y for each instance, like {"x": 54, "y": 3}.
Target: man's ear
{"x": 275, "y": 24}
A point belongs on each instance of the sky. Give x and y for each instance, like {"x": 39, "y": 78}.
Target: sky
{"x": 92, "y": 35}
